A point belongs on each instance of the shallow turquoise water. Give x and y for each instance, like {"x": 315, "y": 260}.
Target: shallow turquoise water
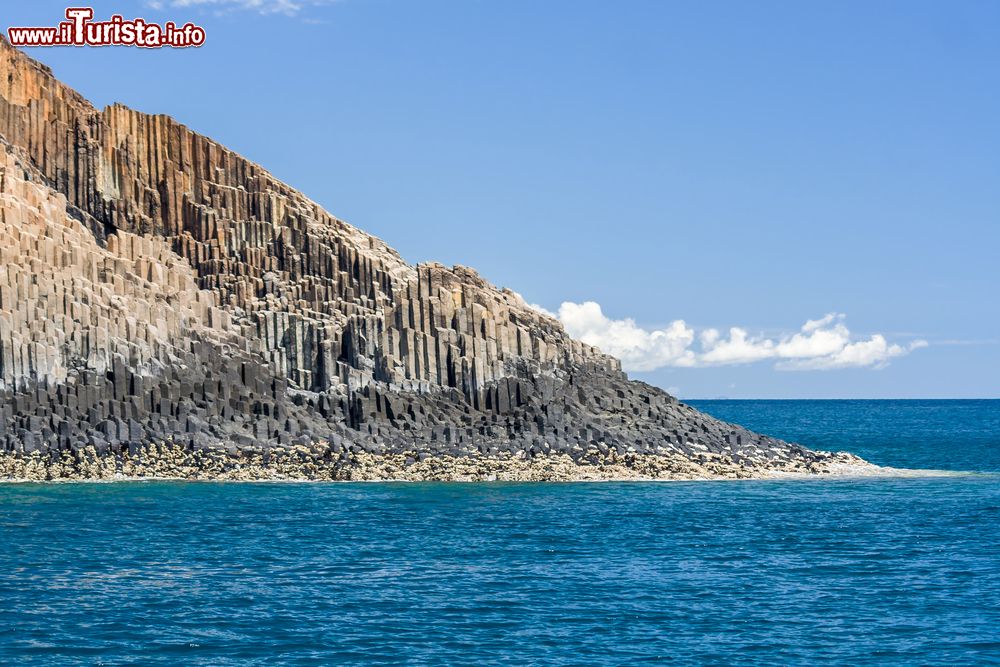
{"x": 887, "y": 571}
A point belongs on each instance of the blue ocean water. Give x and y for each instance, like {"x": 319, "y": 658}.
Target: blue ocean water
{"x": 927, "y": 434}
{"x": 852, "y": 572}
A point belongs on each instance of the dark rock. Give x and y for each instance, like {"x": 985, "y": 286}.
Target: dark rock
{"x": 155, "y": 285}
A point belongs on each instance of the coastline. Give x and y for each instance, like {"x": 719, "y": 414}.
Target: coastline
{"x": 172, "y": 462}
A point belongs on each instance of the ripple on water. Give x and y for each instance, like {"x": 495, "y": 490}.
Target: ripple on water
{"x": 875, "y": 571}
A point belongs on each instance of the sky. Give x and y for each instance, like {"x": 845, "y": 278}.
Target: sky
{"x": 745, "y": 200}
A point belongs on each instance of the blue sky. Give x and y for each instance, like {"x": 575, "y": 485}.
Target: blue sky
{"x": 751, "y": 165}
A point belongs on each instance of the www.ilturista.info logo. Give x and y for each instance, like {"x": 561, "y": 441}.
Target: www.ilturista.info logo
{"x": 80, "y": 30}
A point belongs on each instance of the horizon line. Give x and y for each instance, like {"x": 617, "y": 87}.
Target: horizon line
{"x": 730, "y": 398}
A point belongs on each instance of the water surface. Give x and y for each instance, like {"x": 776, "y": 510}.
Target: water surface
{"x": 853, "y": 572}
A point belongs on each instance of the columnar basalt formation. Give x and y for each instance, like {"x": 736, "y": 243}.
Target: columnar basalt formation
{"x": 156, "y": 288}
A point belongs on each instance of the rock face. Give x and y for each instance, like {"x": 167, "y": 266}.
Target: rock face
{"x": 155, "y": 286}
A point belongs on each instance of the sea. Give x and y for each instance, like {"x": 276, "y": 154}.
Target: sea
{"x": 883, "y": 571}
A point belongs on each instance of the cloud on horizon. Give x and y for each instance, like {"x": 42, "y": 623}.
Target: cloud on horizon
{"x": 822, "y": 344}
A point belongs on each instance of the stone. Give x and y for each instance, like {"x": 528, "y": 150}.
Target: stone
{"x": 157, "y": 288}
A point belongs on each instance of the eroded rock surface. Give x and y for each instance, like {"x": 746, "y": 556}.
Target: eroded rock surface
{"x": 158, "y": 288}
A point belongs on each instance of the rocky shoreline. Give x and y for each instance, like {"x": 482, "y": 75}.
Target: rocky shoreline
{"x": 170, "y": 309}
{"x": 320, "y": 463}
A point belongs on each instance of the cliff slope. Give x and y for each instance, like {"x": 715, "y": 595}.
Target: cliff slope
{"x": 157, "y": 288}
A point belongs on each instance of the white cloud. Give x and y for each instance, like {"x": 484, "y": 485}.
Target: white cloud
{"x": 264, "y": 7}
{"x": 874, "y": 352}
{"x": 638, "y": 348}
{"x": 820, "y": 344}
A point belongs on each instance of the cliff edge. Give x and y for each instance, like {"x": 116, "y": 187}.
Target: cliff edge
{"x": 169, "y": 308}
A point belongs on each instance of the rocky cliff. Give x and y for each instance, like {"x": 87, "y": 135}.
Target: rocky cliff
{"x": 159, "y": 290}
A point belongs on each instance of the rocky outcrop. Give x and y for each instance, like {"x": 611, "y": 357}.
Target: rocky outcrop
{"x": 156, "y": 287}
